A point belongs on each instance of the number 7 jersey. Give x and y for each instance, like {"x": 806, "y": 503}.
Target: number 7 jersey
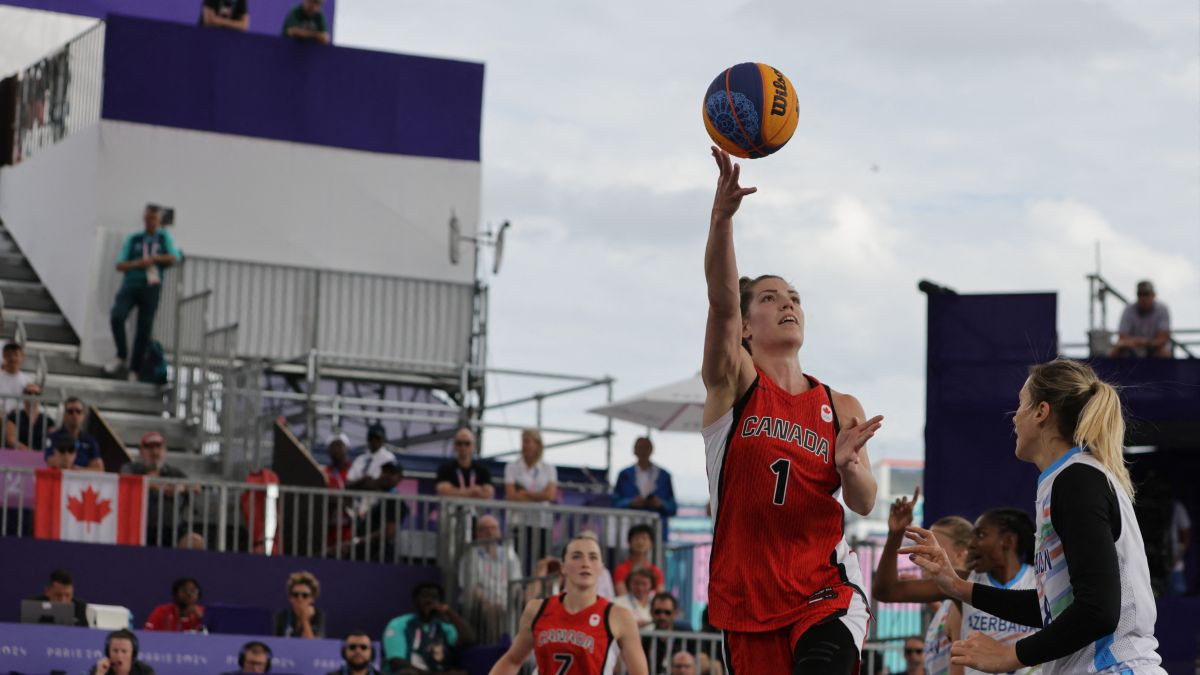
{"x": 573, "y": 644}
{"x": 778, "y": 555}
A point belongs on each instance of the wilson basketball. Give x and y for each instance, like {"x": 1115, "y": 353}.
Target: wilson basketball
{"x": 750, "y": 110}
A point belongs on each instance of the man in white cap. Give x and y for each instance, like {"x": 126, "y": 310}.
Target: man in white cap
{"x": 338, "y": 447}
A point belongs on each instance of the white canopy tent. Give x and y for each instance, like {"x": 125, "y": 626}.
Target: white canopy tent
{"x": 672, "y": 407}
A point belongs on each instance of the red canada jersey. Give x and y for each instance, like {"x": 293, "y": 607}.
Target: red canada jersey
{"x": 573, "y": 644}
{"x": 778, "y": 556}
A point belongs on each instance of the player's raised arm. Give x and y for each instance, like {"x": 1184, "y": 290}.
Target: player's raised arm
{"x": 723, "y": 354}
{"x": 522, "y": 645}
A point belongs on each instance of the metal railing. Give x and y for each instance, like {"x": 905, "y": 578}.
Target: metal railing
{"x": 59, "y": 95}
{"x": 357, "y": 525}
{"x": 1100, "y": 339}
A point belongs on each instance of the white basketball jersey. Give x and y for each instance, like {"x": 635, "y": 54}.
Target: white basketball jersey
{"x": 1131, "y": 648}
{"x": 977, "y": 621}
{"x": 937, "y": 642}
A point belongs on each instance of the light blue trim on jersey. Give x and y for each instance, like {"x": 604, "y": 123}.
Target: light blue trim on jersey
{"x": 1011, "y": 581}
{"x": 1057, "y": 463}
{"x": 1103, "y": 658}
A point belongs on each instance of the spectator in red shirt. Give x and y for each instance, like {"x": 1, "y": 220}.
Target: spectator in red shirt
{"x": 185, "y": 614}
{"x": 338, "y": 447}
{"x": 641, "y": 544}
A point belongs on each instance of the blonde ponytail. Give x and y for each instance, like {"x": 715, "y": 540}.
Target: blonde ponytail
{"x": 1088, "y": 412}
{"x": 1101, "y": 429}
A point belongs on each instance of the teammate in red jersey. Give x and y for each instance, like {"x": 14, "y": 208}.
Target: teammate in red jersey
{"x": 783, "y": 584}
{"x": 576, "y": 632}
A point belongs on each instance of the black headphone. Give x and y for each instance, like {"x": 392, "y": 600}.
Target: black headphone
{"x": 250, "y": 645}
{"x": 123, "y": 634}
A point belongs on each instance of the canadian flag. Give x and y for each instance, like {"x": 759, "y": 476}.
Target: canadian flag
{"x": 88, "y": 506}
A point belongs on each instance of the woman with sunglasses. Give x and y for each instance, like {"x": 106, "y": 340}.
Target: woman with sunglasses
{"x": 301, "y": 619}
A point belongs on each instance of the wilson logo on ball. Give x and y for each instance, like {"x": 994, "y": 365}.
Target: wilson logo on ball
{"x": 750, "y": 110}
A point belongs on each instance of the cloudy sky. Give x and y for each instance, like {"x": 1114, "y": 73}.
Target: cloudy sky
{"x": 985, "y": 144}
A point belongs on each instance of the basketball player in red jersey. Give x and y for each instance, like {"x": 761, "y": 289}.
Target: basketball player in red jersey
{"x": 576, "y": 632}
{"x": 779, "y": 444}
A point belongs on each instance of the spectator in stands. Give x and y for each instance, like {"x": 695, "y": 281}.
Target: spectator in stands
{"x": 232, "y": 14}
{"x": 26, "y": 428}
{"x": 484, "y": 573}
{"x": 637, "y": 599}
{"x": 426, "y": 640}
{"x": 301, "y": 619}
{"x": 530, "y": 479}
{"x": 645, "y": 486}
{"x": 120, "y": 656}
{"x": 682, "y": 663}
{"x": 144, "y": 258}
{"x": 664, "y": 612}
{"x": 465, "y": 477}
{"x": 377, "y": 519}
{"x": 338, "y": 447}
{"x": 61, "y": 588}
{"x": 87, "y": 450}
{"x": 1181, "y": 537}
{"x": 357, "y": 655}
{"x": 1145, "y": 327}
{"x": 163, "y": 521}
{"x": 61, "y": 455}
{"x": 914, "y": 655}
{"x": 184, "y": 613}
{"x": 12, "y": 380}
{"x": 641, "y": 548}
{"x": 306, "y": 21}
{"x": 366, "y": 467}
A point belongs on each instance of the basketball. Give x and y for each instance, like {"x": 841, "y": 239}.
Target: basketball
{"x": 750, "y": 110}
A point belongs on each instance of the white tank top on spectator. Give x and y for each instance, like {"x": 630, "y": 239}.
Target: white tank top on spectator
{"x": 11, "y": 387}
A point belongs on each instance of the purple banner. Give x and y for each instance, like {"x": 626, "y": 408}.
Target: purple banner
{"x": 249, "y": 85}
{"x": 353, "y": 594}
{"x": 17, "y": 489}
{"x": 36, "y": 648}
{"x": 266, "y": 16}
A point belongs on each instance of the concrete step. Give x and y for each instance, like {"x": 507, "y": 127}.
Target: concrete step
{"x": 131, "y": 426}
{"x": 193, "y": 464}
{"x": 31, "y": 316}
{"x": 111, "y": 395}
{"x": 36, "y": 332}
{"x": 57, "y": 364}
{"x": 14, "y": 266}
{"x": 26, "y": 295}
{"x": 60, "y": 350}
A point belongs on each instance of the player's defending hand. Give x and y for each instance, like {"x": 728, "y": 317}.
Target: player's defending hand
{"x": 852, "y": 439}
{"x": 929, "y": 555}
{"x": 729, "y": 193}
{"x": 901, "y": 515}
{"x": 981, "y": 652}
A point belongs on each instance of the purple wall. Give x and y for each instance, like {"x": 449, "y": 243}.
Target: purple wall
{"x": 266, "y": 16}
{"x": 181, "y": 76}
{"x": 353, "y": 595}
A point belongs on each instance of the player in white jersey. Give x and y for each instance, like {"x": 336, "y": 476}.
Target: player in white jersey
{"x": 1000, "y": 552}
{"x": 955, "y": 534}
{"x": 1093, "y": 599}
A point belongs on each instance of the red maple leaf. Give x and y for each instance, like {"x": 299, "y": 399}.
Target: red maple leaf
{"x": 89, "y": 509}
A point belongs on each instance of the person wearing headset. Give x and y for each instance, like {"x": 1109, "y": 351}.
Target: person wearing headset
{"x": 255, "y": 657}
{"x": 120, "y": 656}
{"x": 358, "y": 655}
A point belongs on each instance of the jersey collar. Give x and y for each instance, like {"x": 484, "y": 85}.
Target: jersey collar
{"x": 1057, "y": 464}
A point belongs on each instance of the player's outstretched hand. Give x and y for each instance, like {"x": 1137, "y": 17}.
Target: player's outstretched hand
{"x": 981, "y": 652}
{"x": 929, "y": 555}
{"x": 851, "y": 440}
{"x": 901, "y": 515}
{"x": 729, "y": 192}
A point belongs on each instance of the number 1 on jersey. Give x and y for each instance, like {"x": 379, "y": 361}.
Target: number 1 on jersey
{"x": 781, "y": 468}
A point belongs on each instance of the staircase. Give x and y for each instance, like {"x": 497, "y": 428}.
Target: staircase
{"x": 52, "y": 352}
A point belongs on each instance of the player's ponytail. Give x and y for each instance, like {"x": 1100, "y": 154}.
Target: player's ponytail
{"x": 1088, "y": 412}
{"x": 1101, "y": 429}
